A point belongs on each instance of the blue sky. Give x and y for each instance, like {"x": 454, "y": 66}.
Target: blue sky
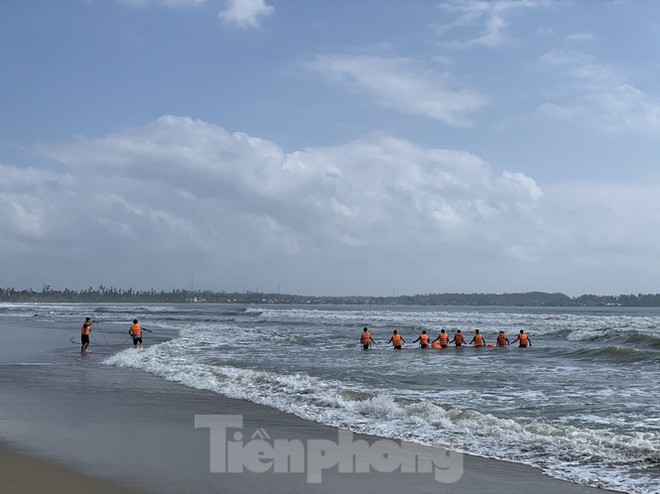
{"x": 344, "y": 147}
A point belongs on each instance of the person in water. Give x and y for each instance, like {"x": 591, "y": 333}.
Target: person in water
{"x": 423, "y": 340}
{"x": 458, "y": 338}
{"x": 366, "y": 339}
{"x": 396, "y": 340}
{"x": 478, "y": 339}
{"x": 524, "y": 340}
{"x": 84, "y": 334}
{"x": 443, "y": 337}
{"x": 136, "y": 333}
{"x": 502, "y": 340}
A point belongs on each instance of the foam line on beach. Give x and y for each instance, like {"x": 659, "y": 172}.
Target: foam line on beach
{"x": 578, "y": 454}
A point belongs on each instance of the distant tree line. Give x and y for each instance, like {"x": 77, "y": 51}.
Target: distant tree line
{"x": 104, "y": 294}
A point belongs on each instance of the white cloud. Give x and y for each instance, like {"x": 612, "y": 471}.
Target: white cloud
{"x": 580, "y": 37}
{"x": 319, "y": 192}
{"x": 604, "y": 225}
{"x": 405, "y": 85}
{"x": 179, "y": 193}
{"x": 245, "y": 13}
{"x": 603, "y": 97}
{"x": 488, "y": 17}
{"x": 558, "y": 58}
{"x": 154, "y": 203}
{"x": 164, "y": 3}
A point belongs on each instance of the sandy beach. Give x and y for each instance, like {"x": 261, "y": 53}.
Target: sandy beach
{"x": 23, "y": 473}
{"x": 71, "y": 423}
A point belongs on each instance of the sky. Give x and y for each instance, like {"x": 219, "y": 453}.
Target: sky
{"x": 345, "y": 147}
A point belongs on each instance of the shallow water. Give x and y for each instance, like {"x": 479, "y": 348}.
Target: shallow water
{"x": 581, "y": 403}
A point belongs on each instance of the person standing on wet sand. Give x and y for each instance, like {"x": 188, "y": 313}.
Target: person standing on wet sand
{"x": 84, "y": 334}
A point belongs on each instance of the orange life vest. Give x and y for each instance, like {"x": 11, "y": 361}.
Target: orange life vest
{"x": 458, "y": 338}
{"x": 444, "y": 338}
{"x": 136, "y": 330}
{"x": 478, "y": 340}
{"x": 424, "y": 339}
{"x": 436, "y": 345}
{"x": 523, "y": 339}
{"x": 501, "y": 340}
{"x": 396, "y": 339}
{"x": 366, "y": 338}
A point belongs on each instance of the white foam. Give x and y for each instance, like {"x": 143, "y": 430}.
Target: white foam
{"x": 575, "y": 453}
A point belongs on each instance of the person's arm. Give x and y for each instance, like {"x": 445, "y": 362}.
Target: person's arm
{"x": 507, "y": 341}
{"x": 403, "y": 339}
{"x": 415, "y": 340}
{"x": 529, "y": 341}
{"x": 390, "y": 340}
{"x": 147, "y": 330}
{"x": 471, "y": 341}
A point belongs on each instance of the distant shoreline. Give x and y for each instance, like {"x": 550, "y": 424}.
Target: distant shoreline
{"x": 523, "y": 299}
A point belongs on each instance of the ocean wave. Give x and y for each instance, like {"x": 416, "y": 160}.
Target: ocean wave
{"x": 617, "y": 354}
{"x": 592, "y": 334}
{"x": 639, "y": 337}
{"x": 574, "y": 453}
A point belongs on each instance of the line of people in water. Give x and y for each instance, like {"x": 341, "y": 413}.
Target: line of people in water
{"x": 443, "y": 341}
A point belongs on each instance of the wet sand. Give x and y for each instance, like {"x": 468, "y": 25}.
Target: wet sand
{"x": 21, "y": 473}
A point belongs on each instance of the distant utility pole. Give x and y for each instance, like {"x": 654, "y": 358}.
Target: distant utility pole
{"x": 192, "y": 285}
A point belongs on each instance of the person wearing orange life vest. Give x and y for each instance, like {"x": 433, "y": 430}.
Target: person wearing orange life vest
{"x": 443, "y": 338}
{"x": 458, "y": 338}
{"x": 366, "y": 339}
{"x": 502, "y": 340}
{"x": 423, "y": 340}
{"x": 524, "y": 340}
{"x": 84, "y": 334}
{"x": 478, "y": 339}
{"x": 136, "y": 333}
{"x": 396, "y": 340}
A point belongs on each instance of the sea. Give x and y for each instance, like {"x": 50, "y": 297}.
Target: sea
{"x": 582, "y": 403}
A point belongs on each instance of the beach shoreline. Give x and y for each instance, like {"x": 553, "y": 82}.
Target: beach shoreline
{"x": 35, "y": 470}
{"x": 69, "y": 420}
{"x": 167, "y": 454}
